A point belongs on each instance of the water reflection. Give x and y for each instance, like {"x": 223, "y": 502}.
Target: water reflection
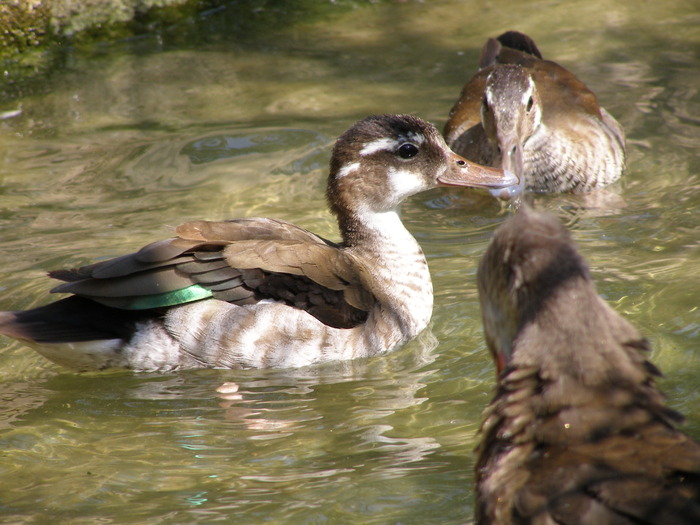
{"x": 217, "y": 147}
{"x": 281, "y": 425}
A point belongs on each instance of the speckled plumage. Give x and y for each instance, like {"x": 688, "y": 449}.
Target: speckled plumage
{"x": 263, "y": 292}
{"x": 577, "y": 432}
{"x": 532, "y": 116}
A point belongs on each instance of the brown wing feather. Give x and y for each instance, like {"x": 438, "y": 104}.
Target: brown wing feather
{"x": 466, "y": 113}
{"x": 654, "y": 478}
{"x": 247, "y": 230}
{"x": 326, "y": 266}
{"x": 148, "y": 282}
{"x": 241, "y": 261}
{"x": 154, "y": 255}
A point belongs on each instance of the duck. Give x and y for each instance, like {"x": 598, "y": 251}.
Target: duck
{"x": 262, "y": 292}
{"x": 577, "y": 432}
{"x": 535, "y": 118}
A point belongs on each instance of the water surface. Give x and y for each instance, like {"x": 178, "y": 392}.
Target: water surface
{"x": 218, "y": 120}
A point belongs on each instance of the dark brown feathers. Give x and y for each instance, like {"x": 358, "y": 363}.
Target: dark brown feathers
{"x": 73, "y": 319}
{"x": 578, "y": 432}
{"x": 241, "y": 262}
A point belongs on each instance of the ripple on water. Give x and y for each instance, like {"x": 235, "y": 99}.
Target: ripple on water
{"x": 132, "y": 139}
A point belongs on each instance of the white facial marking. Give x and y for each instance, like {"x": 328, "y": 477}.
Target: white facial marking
{"x": 386, "y": 144}
{"x": 416, "y": 138}
{"x": 347, "y": 168}
{"x": 405, "y": 182}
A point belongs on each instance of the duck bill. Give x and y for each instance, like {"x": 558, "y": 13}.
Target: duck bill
{"x": 463, "y": 172}
{"x": 511, "y": 162}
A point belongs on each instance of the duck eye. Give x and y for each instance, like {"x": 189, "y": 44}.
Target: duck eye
{"x": 530, "y": 102}
{"x": 407, "y": 150}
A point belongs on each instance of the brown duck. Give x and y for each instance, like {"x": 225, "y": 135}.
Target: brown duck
{"x": 533, "y": 117}
{"x": 577, "y": 432}
{"x": 262, "y": 292}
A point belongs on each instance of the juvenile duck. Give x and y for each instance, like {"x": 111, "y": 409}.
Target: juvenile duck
{"x": 262, "y": 292}
{"x": 533, "y": 117}
{"x": 577, "y": 432}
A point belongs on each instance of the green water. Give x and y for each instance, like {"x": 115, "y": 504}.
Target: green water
{"x": 221, "y": 119}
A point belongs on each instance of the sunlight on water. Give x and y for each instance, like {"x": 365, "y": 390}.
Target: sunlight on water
{"x": 131, "y": 139}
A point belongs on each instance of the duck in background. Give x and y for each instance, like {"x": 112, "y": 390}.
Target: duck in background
{"x": 262, "y": 292}
{"x": 534, "y": 118}
{"x": 577, "y": 433}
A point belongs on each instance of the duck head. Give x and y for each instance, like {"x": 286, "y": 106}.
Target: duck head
{"x": 531, "y": 273}
{"x": 384, "y": 159}
{"x": 511, "y": 111}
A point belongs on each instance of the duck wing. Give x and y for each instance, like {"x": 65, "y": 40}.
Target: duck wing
{"x": 463, "y": 131}
{"x": 241, "y": 261}
{"x": 653, "y": 477}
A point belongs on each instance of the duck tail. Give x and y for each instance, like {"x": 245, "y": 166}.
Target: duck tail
{"x": 69, "y": 320}
{"x": 521, "y": 42}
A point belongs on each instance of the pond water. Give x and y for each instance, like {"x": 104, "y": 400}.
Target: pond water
{"x": 234, "y": 115}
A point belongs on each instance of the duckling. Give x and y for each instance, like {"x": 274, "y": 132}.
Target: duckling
{"x": 577, "y": 432}
{"x": 534, "y": 118}
{"x": 259, "y": 292}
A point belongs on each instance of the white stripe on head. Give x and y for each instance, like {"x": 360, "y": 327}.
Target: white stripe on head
{"x": 346, "y": 169}
{"x": 386, "y": 144}
{"x": 528, "y": 92}
{"x": 416, "y": 138}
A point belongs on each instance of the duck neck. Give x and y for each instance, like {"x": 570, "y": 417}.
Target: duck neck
{"x": 374, "y": 229}
{"x": 397, "y": 273}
